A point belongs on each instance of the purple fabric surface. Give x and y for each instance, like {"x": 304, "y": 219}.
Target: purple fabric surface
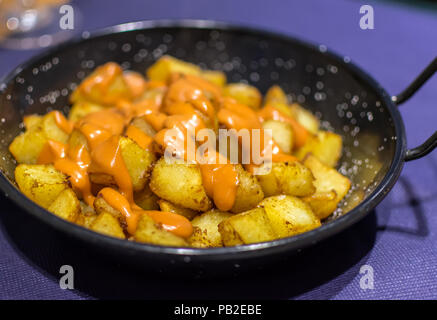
{"x": 398, "y": 240}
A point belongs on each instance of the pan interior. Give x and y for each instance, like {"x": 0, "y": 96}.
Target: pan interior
{"x": 344, "y": 103}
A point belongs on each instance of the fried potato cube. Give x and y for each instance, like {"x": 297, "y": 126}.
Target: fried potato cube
{"x": 248, "y": 227}
{"x": 181, "y": 184}
{"x": 322, "y": 203}
{"x": 249, "y": 191}
{"x": 327, "y": 180}
{"x": 290, "y": 178}
{"x": 166, "y": 65}
{"x": 282, "y": 134}
{"x": 216, "y": 77}
{"x": 27, "y": 146}
{"x": 244, "y": 93}
{"x": 100, "y": 206}
{"x": 85, "y": 220}
{"x": 105, "y": 85}
{"x": 289, "y": 215}
{"x": 41, "y": 183}
{"x": 77, "y": 139}
{"x": 81, "y": 108}
{"x": 275, "y": 95}
{"x": 32, "y": 121}
{"x": 149, "y": 232}
{"x": 167, "y": 206}
{"x": 52, "y": 130}
{"x": 305, "y": 118}
{"x": 138, "y": 162}
{"x": 205, "y": 229}
{"x": 326, "y": 146}
{"x": 86, "y": 216}
{"x": 144, "y": 126}
{"x": 146, "y": 199}
{"x": 106, "y": 224}
{"x": 66, "y": 205}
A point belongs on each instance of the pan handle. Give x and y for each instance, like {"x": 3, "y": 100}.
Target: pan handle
{"x": 431, "y": 142}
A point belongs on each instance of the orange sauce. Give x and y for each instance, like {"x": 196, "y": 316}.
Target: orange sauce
{"x": 189, "y": 105}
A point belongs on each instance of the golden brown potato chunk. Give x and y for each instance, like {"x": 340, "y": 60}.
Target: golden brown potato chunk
{"x": 51, "y": 129}
{"x": 275, "y": 95}
{"x": 305, "y": 118}
{"x": 167, "y": 206}
{"x": 146, "y": 199}
{"x": 326, "y": 146}
{"x": 216, "y": 77}
{"x": 28, "y": 145}
{"x": 244, "y": 93}
{"x": 32, "y": 121}
{"x": 66, "y": 205}
{"x": 289, "y": 215}
{"x": 205, "y": 229}
{"x": 106, "y": 92}
{"x": 41, "y": 183}
{"x": 166, "y": 65}
{"x": 138, "y": 162}
{"x": 181, "y": 184}
{"x": 106, "y": 224}
{"x": 149, "y": 232}
{"x": 327, "y": 180}
{"x": 282, "y": 134}
{"x": 248, "y": 227}
{"x": 81, "y": 108}
{"x": 290, "y": 178}
{"x": 249, "y": 191}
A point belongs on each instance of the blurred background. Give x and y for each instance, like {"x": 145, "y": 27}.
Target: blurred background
{"x": 398, "y": 238}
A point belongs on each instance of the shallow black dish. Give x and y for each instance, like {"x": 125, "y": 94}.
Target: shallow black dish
{"x": 347, "y": 100}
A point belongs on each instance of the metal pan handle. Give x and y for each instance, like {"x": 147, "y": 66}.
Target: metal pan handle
{"x": 431, "y": 142}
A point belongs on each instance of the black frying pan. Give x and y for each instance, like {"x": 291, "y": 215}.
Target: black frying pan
{"x": 347, "y": 100}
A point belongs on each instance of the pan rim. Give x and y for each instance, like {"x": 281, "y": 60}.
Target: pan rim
{"x": 245, "y": 251}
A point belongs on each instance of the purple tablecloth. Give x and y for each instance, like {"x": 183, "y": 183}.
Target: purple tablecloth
{"x": 398, "y": 240}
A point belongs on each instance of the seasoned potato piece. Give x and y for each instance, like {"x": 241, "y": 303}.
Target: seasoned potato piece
{"x": 32, "y": 121}
{"x": 249, "y": 191}
{"x": 205, "y": 229}
{"x": 305, "y": 118}
{"x": 216, "y": 77}
{"x": 326, "y": 146}
{"x": 149, "y": 232}
{"x": 28, "y": 145}
{"x": 248, "y": 227}
{"x": 41, "y": 183}
{"x": 146, "y": 199}
{"x": 327, "y": 180}
{"x": 77, "y": 139}
{"x": 289, "y": 216}
{"x": 167, "y": 206}
{"x": 290, "y": 178}
{"x": 166, "y": 65}
{"x": 106, "y": 92}
{"x": 100, "y": 206}
{"x": 85, "y": 220}
{"x": 144, "y": 126}
{"x": 322, "y": 203}
{"x": 275, "y": 95}
{"x": 81, "y": 108}
{"x": 106, "y": 224}
{"x": 282, "y": 134}
{"x": 138, "y": 162}
{"x": 244, "y": 93}
{"x": 66, "y": 205}
{"x": 181, "y": 184}
{"x": 51, "y": 129}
